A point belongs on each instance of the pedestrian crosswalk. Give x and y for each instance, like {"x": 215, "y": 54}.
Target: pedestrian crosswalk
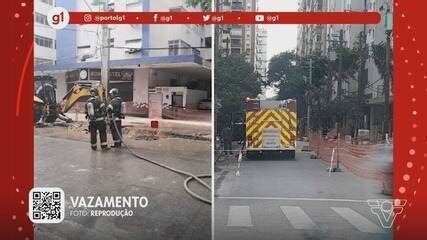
{"x": 297, "y": 217}
{"x": 354, "y": 218}
{"x": 240, "y": 216}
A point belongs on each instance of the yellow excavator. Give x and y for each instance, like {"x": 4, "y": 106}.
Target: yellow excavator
{"x": 46, "y": 108}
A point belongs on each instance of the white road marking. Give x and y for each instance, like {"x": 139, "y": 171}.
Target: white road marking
{"x": 297, "y": 217}
{"x": 239, "y": 216}
{"x": 296, "y": 199}
{"x": 357, "y": 220}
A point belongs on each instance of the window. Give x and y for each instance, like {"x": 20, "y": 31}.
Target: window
{"x": 173, "y": 47}
{"x": 50, "y": 2}
{"x": 235, "y": 43}
{"x": 179, "y": 47}
{"x": 44, "y": 41}
{"x": 83, "y": 47}
{"x": 186, "y": 48}
{"x": 177, "y": 9}
{"x": 40, "y": 18}
{"x": 136, "y": 40}
{"x": 41, "y": 61}
{"x": 132, "y": 2}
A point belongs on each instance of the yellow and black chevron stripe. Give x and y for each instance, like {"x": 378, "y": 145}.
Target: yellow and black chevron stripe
{"x": 283, "y": 119}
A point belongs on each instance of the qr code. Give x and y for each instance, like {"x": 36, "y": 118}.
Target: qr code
{"x": 46, "y": 205}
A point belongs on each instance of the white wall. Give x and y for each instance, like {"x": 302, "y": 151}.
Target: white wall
{"x": 159, "y": 34}
{"x": 140, "y": 85}
{"x": 45, "y": 31}
{"x": 61, "y": 87}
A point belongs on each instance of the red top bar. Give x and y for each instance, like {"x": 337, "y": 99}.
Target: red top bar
{"x": 224, "y": 17}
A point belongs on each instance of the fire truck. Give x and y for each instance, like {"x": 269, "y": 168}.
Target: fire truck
{"x": 271, "y": 128}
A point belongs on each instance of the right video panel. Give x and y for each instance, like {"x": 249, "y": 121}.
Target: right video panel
{"x": 303, "y": 125}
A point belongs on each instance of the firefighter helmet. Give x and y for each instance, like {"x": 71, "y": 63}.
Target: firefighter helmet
{"x": 93, "y": 91}
{"x": 114, "y": 92}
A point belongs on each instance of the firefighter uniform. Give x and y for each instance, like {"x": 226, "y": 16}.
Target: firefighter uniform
{"x": 95, "y": 113}
{"x": 115, "y": 114}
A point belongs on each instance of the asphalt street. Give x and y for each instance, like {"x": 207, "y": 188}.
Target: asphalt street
{"x": 170, "y": 214}
{"x": 293, "y": 199}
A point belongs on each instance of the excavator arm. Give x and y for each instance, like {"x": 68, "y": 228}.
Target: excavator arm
{"x": 77, "y": 92}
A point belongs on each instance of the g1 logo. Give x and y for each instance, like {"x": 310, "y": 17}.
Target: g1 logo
{"x": 58, "y": 18}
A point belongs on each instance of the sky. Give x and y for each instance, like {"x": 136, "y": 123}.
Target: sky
{"x": 280, "y": 38}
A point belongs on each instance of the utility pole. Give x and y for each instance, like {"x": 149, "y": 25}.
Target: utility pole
{"x": 218, "y": 27}
{"x": 361, "y": 76}
{"x": 310, "y": 79}
{"x": 105, "y": 53}
{"x": 339, "y": 49}
{"x": 340, "y": 78}
{"x": 388, "y": 30}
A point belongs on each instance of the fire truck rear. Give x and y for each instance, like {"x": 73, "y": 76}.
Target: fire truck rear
{"x": 271, "y": 128}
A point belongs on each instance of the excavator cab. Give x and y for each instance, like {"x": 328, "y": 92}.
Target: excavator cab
{"x": 46, "y": 108}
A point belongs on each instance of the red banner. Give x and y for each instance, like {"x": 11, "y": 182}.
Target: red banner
{"x": 409, "y": 86}
{"x": 224, "y": 18}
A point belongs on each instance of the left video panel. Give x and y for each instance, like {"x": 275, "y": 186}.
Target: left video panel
{"x": 122, "y": 117}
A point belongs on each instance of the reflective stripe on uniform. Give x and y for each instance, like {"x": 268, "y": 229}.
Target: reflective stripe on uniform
{"x": 94, "y": 145}
{"x": 117, "y": 141}
{"x": 103, "y": 144}
{"x": 100, "y": 119}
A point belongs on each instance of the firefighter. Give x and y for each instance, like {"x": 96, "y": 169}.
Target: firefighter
{"x": 115, "y": 114}
{"x": 95, "y": 113}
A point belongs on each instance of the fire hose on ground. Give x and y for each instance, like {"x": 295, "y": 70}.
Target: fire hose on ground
{"x": 181, "y": 172}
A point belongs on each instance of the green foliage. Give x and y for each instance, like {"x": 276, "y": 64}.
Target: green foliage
{"x": 235, "y": 80}
{"x": 291, "y": 75}
{"x": 379, "y": 56}
{"x": 205, "y": 5}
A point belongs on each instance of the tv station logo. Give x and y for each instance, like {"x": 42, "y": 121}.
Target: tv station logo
{"x": 58, "y": 18}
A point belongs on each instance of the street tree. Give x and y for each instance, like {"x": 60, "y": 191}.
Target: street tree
{"x": 235, "y": 80}
{"x": 385, "y": 69}
{"x": 204, "y": 4}
{"x": 290, "y": 74}
{"x": 379, "y": 56}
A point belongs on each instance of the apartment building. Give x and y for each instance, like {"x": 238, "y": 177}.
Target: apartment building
{"x": 144, "y": 59}
{"x": 44, "y": 35}
{"x": 242, "y": 39}
{"x": 261, "y": 52}
{"x": 311, "y": 37}
{"x": 316, "y": 38}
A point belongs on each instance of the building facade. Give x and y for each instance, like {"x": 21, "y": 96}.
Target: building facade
{"x": 261, "y": 52}
{"x": 44, "y": 35}
{"x": 317, "y": 38}
{"x": 242, "y": 39}
{"x": 144, "y": 59}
